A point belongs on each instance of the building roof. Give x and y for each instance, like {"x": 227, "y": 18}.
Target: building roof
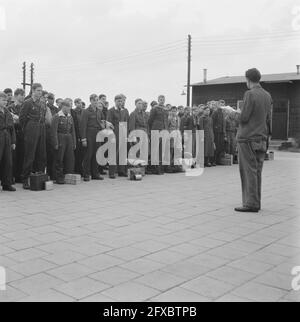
{"x": 268, "y": 78}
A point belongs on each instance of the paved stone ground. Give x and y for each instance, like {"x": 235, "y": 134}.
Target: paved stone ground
{"x": 167, "y": 238}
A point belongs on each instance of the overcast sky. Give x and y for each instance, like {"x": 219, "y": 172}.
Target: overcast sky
{"x": 139, "y": 47}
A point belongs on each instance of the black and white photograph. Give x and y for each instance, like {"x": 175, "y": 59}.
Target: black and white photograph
{"x": 149, "y": 154}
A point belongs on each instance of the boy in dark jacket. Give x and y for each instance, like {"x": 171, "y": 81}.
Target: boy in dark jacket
{"x": 158, "y": 121}
{"x": 33, "y": 123}
{"x": 64, "y": 142}
{"x": 7, "y": 144}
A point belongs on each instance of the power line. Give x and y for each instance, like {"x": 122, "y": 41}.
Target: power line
{"x": 123, "y": 61}
{"x": 261, "y": 35}
{"x": 164, "y": 49}
{"x": 293, "y": 35}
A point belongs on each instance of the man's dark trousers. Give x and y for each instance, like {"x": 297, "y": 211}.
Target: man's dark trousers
{"x": 251, "y": 165}
{"x": 50, "y": 154}
{"x": 5, "y": 158}
{"x": 35, "y": 156}
{"x": 18, "y": 155}
{"x": 90, "y": 165}
{"x": 64, "y": 156}
{"x": 79, "y": 155}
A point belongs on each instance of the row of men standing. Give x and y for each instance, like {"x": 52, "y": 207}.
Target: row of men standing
{"x": 39, "y": 135}
{"x": 61, "y": 138}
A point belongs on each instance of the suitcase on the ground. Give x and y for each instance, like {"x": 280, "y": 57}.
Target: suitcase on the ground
{"x": 136, "y": 169}
{"x": 136, "y": 174}
{"x": 49, "y": 185}
{"x": 227, "y": 160}
{"x": 73, "y": 179}
{"x": 38, "y": 181}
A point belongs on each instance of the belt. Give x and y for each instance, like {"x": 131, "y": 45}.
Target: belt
{"x": 36, "y": 121}
{"x": 65, "y": 133}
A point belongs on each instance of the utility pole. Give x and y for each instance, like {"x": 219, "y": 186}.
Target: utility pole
{"x": 31, "y": 73}
{"x": 24, "y": 76}
{"x": 24, "y": 83}
{"x": 189, "y": 70}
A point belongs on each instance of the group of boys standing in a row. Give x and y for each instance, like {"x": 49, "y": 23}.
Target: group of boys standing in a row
{"x": 36, "y": 135}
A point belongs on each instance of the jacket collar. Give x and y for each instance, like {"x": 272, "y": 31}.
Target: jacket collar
{"x": 61, "y": 113}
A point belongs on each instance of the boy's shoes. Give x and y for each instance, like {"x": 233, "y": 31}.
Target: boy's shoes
{"x": 122, "y": 175}
{"x": 86, "y": 179}
{"x": 60, "y": 181}
{"x": 246, "y": 209}
{"x": 112, "y": 177}
{"x": 9, "y": 188}
{"x": 169, "y": 170}
{"x": 99, "y": 178}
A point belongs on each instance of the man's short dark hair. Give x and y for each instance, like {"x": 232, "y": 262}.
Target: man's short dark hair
{"x": 51, "y": 96}
{"x": 253, "y": 75}
{"x": 93, "y": 97}
{"x": 35, "y": 86}
{"x": 102, "y": 96}
{"x": 65, "y": 103}
{"x": 8, "y": 91}
{"x": 138, "y": 100}
{"x": 19, "y": 91}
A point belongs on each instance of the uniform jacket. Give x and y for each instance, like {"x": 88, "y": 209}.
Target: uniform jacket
{"x": 158, "y": 119}
{"x": 7, "y": 124}
{"x": 219, "y": 122}
{"x": 209, "y": 138}
{"x": 116, "y": 116}
{"x": 138, "y": 120}
{"x": 255, "y": 118}
{"x": 92, "y": 119}
{"x": 32, "y": 111}
{"x": 62, "y": 124}
{"x": 77, "y": 115}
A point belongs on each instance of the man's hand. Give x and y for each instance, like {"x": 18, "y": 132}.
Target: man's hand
{"x": 109, "y": 125}
{"x": 13, "y": 147}
{"x": 15, "y": 118}
{"x": 56, "y": 147}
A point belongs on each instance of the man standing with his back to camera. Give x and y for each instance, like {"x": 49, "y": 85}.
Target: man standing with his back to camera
{"x": 253, "y": 132}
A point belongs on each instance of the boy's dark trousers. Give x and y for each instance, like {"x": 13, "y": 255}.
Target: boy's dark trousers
{"x": 121, "y": 170}
{"x": 79, "y": 155}
{"x": 5, "y": 158}
{"x": 50, "y": 154}
{"x": 90, "y": 165}
{"x": 35, "y": 156}
{"x": 251, "y": 164}
{"x": 64, "y": 157}
{"x": 18, "y": 155}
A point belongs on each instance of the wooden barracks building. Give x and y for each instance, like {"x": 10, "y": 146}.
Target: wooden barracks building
{"x": 284, "y": 88}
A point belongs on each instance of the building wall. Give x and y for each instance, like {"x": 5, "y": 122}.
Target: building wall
{"x": 294, "y": 94}
{"x": 232, "y": 93}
